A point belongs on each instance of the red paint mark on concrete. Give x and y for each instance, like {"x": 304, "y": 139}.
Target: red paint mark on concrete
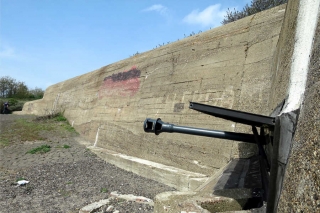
{"x": 125, "y": 83}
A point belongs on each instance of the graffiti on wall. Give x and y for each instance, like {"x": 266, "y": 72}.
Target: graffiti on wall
{"x": 125, "y": 84}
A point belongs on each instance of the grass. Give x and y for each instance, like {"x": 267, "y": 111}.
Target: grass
{"x": 104, "y": 190}
{"x": 69, "y": 128}
{"x": 64, "y": 146}
{"x": 40, "y": 149}
{"x": 4, "y": 141}
{"x": 60, "y": 117}
{"x": 41, "y": 128}
{"x": 20, "y": 178}
{"x": 22, "y": 130}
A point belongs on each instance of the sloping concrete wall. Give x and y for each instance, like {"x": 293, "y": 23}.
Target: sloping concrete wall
{"x": 229, "y": 66}
{"x": 302, "y": 180}
{"x": 295, "y": 184}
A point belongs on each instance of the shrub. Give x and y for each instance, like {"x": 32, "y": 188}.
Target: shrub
{"x": 255, "y": 7}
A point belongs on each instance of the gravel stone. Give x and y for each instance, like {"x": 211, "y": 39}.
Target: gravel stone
{"x": 65, "y": 180}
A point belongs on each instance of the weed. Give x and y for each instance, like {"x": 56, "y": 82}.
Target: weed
{"x": 69, "y": 128}
{"x": 4, "y": 142}
{"x": 104, "y": 190}
{"x": 65, "y": 146}
{"x": 60, "y": 117}
{"x": 40, "y": 149}
{"x": 20, "y": 178}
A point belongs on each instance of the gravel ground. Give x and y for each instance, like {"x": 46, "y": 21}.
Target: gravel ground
{"x": 65, "y": 179}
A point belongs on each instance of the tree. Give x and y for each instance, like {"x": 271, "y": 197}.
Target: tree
{"x": 20, "y": 90}
{"x": 36, "y": 93}
{"x": 6, "y": 84}
{"x": 255, "y": 7}
{"x": 11, "y": 88}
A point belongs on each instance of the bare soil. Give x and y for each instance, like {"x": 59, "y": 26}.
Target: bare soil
{"x": 66, "y": 178}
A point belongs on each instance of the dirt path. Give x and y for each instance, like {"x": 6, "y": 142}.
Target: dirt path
{"x": 66, "y": 178}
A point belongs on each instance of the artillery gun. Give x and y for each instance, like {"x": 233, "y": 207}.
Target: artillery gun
{"x": 157, "y": 126}
{"x": 266, "y": 124}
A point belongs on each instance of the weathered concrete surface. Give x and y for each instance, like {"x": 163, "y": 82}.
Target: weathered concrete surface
{"x": 180, "y": 179}
{"x": 290, "y": 70}
{"x": 244, "y": 65}
{"x": 229, "y": 66}
{"x": 301, "y": 185}
{"x": 232, "y": 188}
{"x": 282, "y": 57}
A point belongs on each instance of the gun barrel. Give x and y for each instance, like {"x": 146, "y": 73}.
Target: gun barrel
{"x": 157, "y": 126}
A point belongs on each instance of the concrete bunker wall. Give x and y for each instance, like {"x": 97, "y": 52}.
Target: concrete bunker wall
{"x": 229, "y": 66}
{"x": 294, "y": 174}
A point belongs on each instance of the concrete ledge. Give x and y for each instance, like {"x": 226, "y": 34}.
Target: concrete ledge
{"x": 231, "y": 189}
{"x": 180, "y": 179}
{"x": 195, "y": 202}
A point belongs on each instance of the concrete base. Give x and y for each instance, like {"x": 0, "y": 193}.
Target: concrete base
{"x": 229, "y": 189}
{"x": 180, "y": 179}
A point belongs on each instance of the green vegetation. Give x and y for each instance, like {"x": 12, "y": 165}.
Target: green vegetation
{"x": 4, "y": 142}
{"x": 256, "y": 6}
{"x": 64, "y": 146}
{"x": 40, "y": 128}
{"x": 20, "y": 178}
{"x": 23, "y": 130}
{"x": 60, "y": 117}
{"x": 14, "y": 104}
{"x": 104, "y": 190}
{"x": 11, "y": 88}
{"x": 40, "y": 149}
{"x": 16, "y": 93}
{"x": 69, "y": 128}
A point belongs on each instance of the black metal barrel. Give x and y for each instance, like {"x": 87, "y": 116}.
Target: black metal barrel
{"x": 157, "y": 126}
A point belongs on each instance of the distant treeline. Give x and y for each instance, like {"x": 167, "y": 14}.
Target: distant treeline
{"x": 256, "y": 6}
{"x": 11, "y": 88}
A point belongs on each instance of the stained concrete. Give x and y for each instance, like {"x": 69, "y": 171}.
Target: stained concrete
{"x": 229, "y": 66}
{"x": 180, "y": 179}
{"x": 301, "y": 185}
{"x": 291, "y": 66}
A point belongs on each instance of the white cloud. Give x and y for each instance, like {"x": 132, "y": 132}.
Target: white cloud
{"x": 210, "y": 16}
{"x": 158, "y": 8}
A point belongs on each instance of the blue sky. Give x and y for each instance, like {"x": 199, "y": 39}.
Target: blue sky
{"x": 43, "y": 42}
